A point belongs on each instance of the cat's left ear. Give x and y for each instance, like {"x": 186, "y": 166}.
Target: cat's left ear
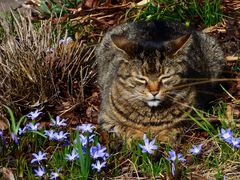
{"x": 124, "y": 44}
{"x": 174, "y": 46}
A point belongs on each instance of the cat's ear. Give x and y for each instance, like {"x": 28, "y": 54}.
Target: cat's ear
{"x": 176, "y": 45}
{"x": 124, "y": 44}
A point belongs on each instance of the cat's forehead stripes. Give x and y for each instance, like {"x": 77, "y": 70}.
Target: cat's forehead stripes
{"x": 151, "y": 63}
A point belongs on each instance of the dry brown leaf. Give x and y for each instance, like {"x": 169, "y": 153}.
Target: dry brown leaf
{"x": 229, "y": 115}
{"x": 231, "y": 58}
{"x": 7, "y": 174}
{"x": 4, "y": 124}
{"x": 142, "y": 3}
{"x": 89, "y": 4}
{"x": 89, "y": 111}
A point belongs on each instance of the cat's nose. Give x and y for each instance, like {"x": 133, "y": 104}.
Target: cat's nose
{"x": 154, "y": 93}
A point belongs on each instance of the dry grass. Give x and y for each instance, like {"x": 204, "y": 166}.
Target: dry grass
{"x": 31, "y": 75}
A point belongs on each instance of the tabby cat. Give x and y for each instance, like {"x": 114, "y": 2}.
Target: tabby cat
{"x": 152, "y": 74}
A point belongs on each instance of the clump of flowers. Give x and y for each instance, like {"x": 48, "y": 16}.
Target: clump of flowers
{"x": 92, "y": 151}
{"x": 82, "y": 148}
{"x": 98, "y": 153}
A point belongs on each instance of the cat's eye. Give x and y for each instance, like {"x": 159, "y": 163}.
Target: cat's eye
{"x": 141, "y": 79}
{"x": 170, "y": 81}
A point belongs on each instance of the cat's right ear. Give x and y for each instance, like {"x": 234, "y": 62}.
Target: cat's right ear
{"x": 174, "y": 46}
{"x": 123, "y": 44}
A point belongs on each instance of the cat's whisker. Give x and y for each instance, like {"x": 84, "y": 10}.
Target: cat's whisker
{"x": 212, "y": 79}
{"x": 203, "y": 82}
{"x": 134, "y": 96}
{"x": 182, "y": 104}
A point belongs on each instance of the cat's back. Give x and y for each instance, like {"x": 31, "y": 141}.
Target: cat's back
{"x": 148, "y": 30}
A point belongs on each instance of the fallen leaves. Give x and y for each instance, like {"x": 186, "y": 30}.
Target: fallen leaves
{"x": 7, "y": 174}
{"x": 89, "y": 4}
{"x": 231, "y": 58}
{"x": 4, "y": 124}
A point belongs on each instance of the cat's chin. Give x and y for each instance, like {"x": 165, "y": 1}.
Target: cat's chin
{"x": 153, "y": 103}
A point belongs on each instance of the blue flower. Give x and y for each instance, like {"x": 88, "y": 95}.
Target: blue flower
{"x": 54, "y": 175}
{"x": 38, "y": 157}
{"x": 173, "y": 156}
{"x": 235, "y": 142}
{"x": 50, "y": 134}
{"x": 86, "y": 128}
{"x": 14, "y": 137}
{"x": 65, "y": 41}
{"x": 39, "y": 172}
{"x": 98, "y": 166}
{"x": 148, "y": 146}
{"x": 51, "y": 50}
{"x": 173, "y": 168}
{"x": 32, "y": 127}
{"x": 2, "y": 137}
{"x": 85, "y": 139}
{"x": 58, "y": 122}
{"x": 196, "y": 149}
{"x": 22, "y": 131}
{"x": 60, "y": 136}
{"x": 98, "y": 152}
{"x": 33, "y": 115}
{"x": 72, "y": 156}
{"x": 226, "y": 135}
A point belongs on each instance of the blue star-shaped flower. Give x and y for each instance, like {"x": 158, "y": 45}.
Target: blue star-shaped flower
{"x": 226, "y": 135}
{"x": 38, "y": 157}
{"x": 39, "y": 172}
{"x": 98, "y": 152}
{"x": 34, "y": 114}
{"x": 50, "y": 134}
{"x": 173, "y": 156}
{"x": 32, "y": 127}
{"x": 72, "y": 156}
{"x": 54, "y": 175}
{"x": 58, "y": 122}
{"x": 86, "y": 128}
{"x": 60, "y": 136}
{"x": 235, "y": 142}
{"x": 196, "y": 149}
{"x": 148, "y": 146}
{"x": 85, "y": 139}
{"x": 98, "y": 166}
{"x": 22, "y": 130}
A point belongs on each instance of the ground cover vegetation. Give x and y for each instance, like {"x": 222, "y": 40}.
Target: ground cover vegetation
{"x": 49, "y": 97}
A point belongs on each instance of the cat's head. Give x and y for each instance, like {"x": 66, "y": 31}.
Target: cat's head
{"x": 152, "y": 71}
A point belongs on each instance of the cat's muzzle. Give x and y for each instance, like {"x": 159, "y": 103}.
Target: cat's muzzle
{"x": 153, "y": 103}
